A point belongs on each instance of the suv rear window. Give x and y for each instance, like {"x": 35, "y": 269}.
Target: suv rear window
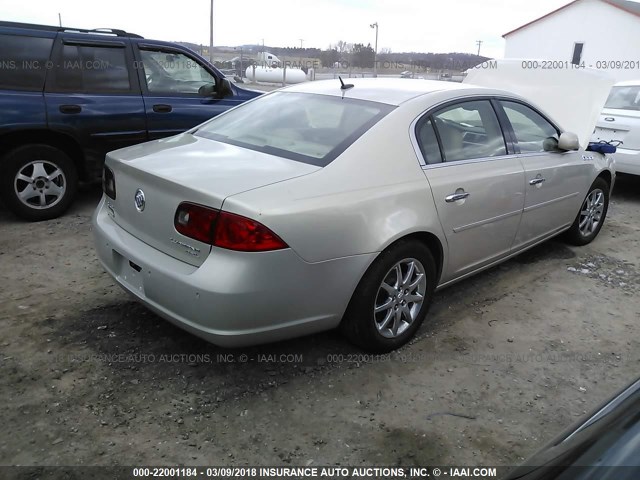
{"x": 23, "y": 62}
{"x": 309, "y": 128}
{"x": 624, "y": 98}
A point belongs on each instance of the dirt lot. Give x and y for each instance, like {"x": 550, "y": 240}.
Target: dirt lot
{"x": 509, "y": 359}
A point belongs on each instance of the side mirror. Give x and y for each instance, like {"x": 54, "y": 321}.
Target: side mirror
{"x": 207, "y": 90}
{"x": 224, "y": 89}
{"x": 568, "y": 141}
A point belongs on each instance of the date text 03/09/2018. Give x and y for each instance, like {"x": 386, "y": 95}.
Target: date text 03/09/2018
{"x": 566, "y": 65}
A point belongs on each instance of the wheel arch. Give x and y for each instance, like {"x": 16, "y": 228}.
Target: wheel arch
{"x": 432, "y": 242}
{"x": 606, "y": 176}
{"x": 66, "y": 143}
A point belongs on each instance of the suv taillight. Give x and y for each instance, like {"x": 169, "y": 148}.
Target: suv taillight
{"x": 225, "y": 230}
{"x": 109, "y": 183}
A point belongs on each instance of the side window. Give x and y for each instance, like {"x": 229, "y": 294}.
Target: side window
{"x": 428, "y": 142}
{"x": 173, "y": 73}
{"x": 92, "y": 69}
{"x": 469, "y": 130}
{"x": 530, "y": 127}
{"x": 23, "y": 62}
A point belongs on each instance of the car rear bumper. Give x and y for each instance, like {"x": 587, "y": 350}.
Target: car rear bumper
{"x": 627, "y": 161}
{"x": 233, "y": 299}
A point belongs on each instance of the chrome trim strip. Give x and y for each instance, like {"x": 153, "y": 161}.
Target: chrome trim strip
{"x": 484, "y": 222}
{"x": 549, "y": 202}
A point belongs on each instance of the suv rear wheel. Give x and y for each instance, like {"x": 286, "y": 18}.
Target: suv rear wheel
{"x": 38, "y": 182}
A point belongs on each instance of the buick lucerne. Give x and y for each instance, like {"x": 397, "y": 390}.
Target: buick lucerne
{"x": 328, "y": 205}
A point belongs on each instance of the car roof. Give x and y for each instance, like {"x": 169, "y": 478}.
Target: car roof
{"x": 628, "y": 83}
{"x": 392, "y": 91}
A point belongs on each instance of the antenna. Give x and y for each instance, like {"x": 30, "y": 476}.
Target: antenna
{"x": 345, "y": 86}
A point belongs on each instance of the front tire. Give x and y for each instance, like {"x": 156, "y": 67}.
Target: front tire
{"x": 38, "y": 182}
{"x": 392, "y": 299}
{"x": 591, "y": 216}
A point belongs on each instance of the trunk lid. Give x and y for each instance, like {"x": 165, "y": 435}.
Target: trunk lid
{"x": 186, "y": 168}
{"x": 619, "y": 124}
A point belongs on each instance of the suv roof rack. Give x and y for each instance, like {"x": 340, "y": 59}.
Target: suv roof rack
{"x": 96, "y": 31}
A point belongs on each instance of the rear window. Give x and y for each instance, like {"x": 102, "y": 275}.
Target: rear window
{"x": 624, "y": 98}
{"x": 23, "y": 62}
{"x": 92, "y": 69}
{"x": 309, "y": 128}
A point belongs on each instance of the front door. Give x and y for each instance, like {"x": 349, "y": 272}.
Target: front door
{"x": 174, "y": 86}
{"x": 555, "y": 181}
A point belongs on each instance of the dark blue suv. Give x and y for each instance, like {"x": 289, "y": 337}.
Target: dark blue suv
{"x": 68, "y": 96}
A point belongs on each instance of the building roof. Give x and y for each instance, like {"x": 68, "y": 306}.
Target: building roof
{"x": 628, "y": 6}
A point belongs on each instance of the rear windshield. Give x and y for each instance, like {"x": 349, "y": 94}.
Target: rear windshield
{"x": 624, "y": 98}
{"x": 305, "y": 127}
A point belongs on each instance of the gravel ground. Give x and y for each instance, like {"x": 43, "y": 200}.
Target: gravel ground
{"x": 508, "y": 359}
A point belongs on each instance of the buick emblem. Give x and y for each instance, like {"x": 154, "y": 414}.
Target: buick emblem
{"x": 140, "y": 200}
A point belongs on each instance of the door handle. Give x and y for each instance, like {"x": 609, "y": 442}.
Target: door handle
{"x": 162, "y": 108}
{"x": 70, "y": 108}
{"x": 609, "y": 119}
{"x": 454, "y": 197}
{"x": 537, "y": 181}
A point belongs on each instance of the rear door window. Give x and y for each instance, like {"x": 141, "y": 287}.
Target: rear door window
{"x": 92, "y": 69}
{"x": 23, "y": 62}
{"x": 469, "y": 130}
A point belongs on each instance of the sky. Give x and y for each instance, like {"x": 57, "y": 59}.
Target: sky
{"x": 404, "y": 25}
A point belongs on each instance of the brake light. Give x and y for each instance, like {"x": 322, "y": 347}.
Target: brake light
{"x": 195, "y": 221}
{"x": 224, "y": 229}
{"x": 109, "y": 183}
{"x": 236, "y": 232}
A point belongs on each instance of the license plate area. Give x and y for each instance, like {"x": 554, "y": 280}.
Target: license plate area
{"x": 129, "y": 273}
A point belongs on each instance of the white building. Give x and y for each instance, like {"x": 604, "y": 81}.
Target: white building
{"x": 601, "y": 34}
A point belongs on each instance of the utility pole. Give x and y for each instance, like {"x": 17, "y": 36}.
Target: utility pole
{"x": 375, "y": 52}
{"x": 60, "y": 19}
{"x": 211, "y": 34}
{"x": 479, "y": 43}
{"x": 301, "y": 41}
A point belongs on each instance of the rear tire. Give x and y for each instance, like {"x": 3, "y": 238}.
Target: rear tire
{"x": 591, "y": 216}
{"x": 38, "y": 182}
{"x": 399, "y": 284}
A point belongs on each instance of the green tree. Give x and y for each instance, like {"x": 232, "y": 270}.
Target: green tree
{"x": 363, "y": 56}
{"x": 329, "y": 57}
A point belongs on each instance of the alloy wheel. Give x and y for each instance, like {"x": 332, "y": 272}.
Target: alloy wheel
{"x": 591, "y": 212}
{"x": 400, "y": 297}
{"x": 40, "y": 184}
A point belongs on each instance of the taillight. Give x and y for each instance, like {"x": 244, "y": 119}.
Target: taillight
{"x": 109, "y": 183}
{"x": 195, "y": 221}
{"x": 224, "y": 229}
{"x": 236, "y": 232}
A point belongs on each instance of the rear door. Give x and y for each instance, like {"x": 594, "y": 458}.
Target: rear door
{"x": 92, "y": 95}
{"x": 477, "y": 184}
{"x": 173, "y": 82}
{"x": 555, "y": 181}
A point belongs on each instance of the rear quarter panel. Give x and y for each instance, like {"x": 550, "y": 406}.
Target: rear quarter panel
{"x": 370, "y": 196}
